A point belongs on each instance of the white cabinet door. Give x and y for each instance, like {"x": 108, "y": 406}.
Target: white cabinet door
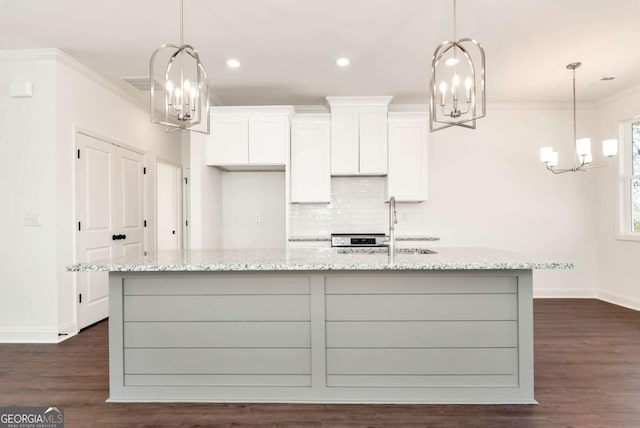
{"x": 310, "y": 160}
{"x": 268, "y": 136}
{"x": 229, "y": 140}
{"x": 345, "y": 154}
{"x": 373, "y": 140}
{"x": 407, "y": 178}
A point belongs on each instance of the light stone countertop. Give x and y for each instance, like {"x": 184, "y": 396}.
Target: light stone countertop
{"x": 325, "y": 238}
{"x": 317, "y": 259}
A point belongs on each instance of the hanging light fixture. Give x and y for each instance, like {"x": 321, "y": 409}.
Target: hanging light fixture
{"x": 452, "y": 66}
{"x": 583, "y": 145}
{"x": 179, "y": 86}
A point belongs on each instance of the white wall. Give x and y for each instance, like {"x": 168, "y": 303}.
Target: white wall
{"x": 27, "y": 179}
{"x": 488, "y": 188}
{"x": 205, "y": 227}
{"x": 246, "y": 195}
{"x": 67, "y": 96}
{"x": 618, "y": 260}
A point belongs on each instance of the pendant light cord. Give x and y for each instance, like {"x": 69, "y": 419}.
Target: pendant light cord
{"x": 181, "y": 22}
{"x": 455, "y": 27}
{"x": 574, "y": 109}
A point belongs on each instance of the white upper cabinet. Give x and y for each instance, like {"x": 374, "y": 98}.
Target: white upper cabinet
{"x": 228, "y": 141}
{"x": 249, "y": 136}
{"x": 310, "y": 159}
{"x": 345, "y": 156}
{"x": 407, "y": 178}
{"x": 268, "y": 138}
{"x": 373, "y": 140}
{"x": 359, "y": 135}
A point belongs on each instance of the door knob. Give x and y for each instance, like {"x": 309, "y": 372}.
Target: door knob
{"x": 114, "y": 238}
{"x": 123, "y": 236}
{"x": 173, "y": 232}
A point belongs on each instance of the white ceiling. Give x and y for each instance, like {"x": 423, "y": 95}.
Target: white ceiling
{"x": 288, "y": 48}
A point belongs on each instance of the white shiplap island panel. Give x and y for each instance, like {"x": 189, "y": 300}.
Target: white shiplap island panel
{"x": 351, "y": 330}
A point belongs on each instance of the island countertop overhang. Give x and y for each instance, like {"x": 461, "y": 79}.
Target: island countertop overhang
{"x": 321, "y": 259}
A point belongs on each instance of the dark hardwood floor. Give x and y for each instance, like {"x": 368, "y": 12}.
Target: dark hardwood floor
{"x": 587, "y": 360}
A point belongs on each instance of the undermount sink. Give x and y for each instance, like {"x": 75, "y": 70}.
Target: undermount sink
{"x": 383, "y": 250}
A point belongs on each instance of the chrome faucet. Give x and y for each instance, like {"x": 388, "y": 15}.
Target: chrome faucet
{"x": 393, "y": 220}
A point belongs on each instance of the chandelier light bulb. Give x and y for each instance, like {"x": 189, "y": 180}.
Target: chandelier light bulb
{"x": 588, "y": 158}
{"x": 451, "y": 61}
{"x": 187, "y": 85}
{"x": 583, "y": 146}
{"x": 553, "y": 161}
{"x": 610, "y": 147}
{"x": 443, "y": 92}
{"x": 545, "y": 154}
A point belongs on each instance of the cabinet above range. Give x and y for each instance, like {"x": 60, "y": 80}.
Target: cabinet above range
{"x": 359, "y": 135}
{"x": 249, "y": 137}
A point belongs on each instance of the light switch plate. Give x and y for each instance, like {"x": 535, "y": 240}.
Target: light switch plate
{"x": 32, "y": 219}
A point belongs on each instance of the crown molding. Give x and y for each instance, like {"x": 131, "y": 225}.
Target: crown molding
{"x": 54, "y": 54}
{"x": 359, "y": 101}
{"x": 264, "y": 110}
{"x": 311, "y": 109}
{"x": 102, "y": 81}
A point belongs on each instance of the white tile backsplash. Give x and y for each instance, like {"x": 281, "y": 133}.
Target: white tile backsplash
{"x": 357, "y": 206}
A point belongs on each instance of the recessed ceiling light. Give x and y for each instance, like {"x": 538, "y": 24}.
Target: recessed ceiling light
{"x": 342, "y": 62}
{"x": 607, "y": 78}
{"x": 233, "y": 63}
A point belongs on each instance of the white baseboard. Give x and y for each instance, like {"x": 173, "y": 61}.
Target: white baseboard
{"x": 66, "y": 331}
{"x": 619, "y": 299}
{"x": 28, "y": 335}
{"x": 563, "y": 293}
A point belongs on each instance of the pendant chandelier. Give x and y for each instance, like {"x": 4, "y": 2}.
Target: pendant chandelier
{"x": 179, "y": 86}
{"x": 584, "y": 157}
{"x": 455, "y": 63}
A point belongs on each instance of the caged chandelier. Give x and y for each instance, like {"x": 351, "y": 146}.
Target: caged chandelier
{"x": 456, "y": 62}
{"x": 181, "y": 100}
{"x": 584, "y": 156}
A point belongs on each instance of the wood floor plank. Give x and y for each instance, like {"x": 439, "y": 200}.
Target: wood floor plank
{"x": 587, "y": 374}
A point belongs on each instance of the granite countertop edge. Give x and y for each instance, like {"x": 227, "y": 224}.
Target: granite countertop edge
{"x": 328, "y": 238}
{"x": 317, "y": 267}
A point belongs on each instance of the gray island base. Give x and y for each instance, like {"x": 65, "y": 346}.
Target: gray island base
{"x": 357, "y": 331}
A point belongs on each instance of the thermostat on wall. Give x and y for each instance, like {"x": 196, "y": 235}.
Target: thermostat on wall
{"x": 20, "y": 89}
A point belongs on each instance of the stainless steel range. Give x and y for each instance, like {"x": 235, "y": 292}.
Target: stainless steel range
{"x": 358, "y": 239}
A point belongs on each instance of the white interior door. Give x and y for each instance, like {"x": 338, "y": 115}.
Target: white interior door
{"x": 130, "y": 206}
{"x": 109, "y": 213}
{"x": 169, "y": 204}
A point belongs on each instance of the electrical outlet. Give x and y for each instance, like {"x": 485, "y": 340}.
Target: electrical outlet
{"x": 258, "y": 218}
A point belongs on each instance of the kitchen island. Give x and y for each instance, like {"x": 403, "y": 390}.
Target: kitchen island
{"x": 314, "y": 325}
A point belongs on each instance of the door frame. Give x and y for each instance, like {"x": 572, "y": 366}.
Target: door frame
{"x": 145, "y": 198}
{"x": 179, "y": 200}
